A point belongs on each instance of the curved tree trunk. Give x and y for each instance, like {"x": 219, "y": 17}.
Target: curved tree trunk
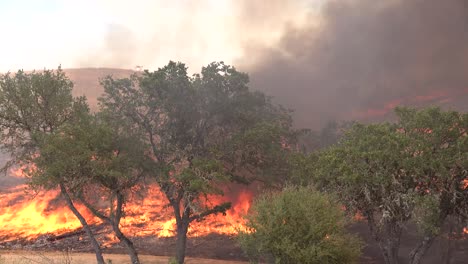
{"x": 447, "y": 249}
{"x": 89, "y": 232}
{"x": 130, "y": 247}
{"x": 417, "y": 253}
{"x": 115, "y": 221}
{"x": 388, "y": 238}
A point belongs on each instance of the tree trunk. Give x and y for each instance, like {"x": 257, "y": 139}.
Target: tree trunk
{"x": 89, "y": 232}
{"x": 417, "y": 253}
{"x": 115, "y": 225}
{"x": 390, "y": 251}
{"x": 130, "y": 247}
{"x": 181, "y": 242}
{"x": 447, "y": 255}
{"x": 388, "y": 240}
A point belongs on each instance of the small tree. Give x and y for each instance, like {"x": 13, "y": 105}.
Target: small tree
{"x": 100, "y": 166}
{"x": 202, "y": 132}
{"x": 39, "y": 103}
{"x": 370, "y": 170}
{"x": 439, "y": 141}
{"x": 298, "y": 225}
{"x": 413, "y": 169}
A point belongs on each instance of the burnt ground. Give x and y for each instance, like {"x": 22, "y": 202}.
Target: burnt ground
{"x": 442, "y": 251}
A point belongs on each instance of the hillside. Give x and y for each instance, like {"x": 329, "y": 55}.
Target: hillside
{"x": 86, "y": 81}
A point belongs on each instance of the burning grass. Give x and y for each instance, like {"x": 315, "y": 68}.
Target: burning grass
{"x": 45, "y": 216}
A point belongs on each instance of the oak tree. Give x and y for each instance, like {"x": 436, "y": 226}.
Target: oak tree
{"x": 100, "y": 166}
{"x": 393, "y": 173}
{"x": 439, "y": 141}
{"x": 39, "y": 103}
{"x": 370, "y": 170}
{"x": 202, "y": 132}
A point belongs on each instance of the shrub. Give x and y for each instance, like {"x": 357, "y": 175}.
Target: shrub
{"x": 298, "y": 225}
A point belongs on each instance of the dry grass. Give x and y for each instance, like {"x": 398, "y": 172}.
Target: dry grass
{"x": 33, "y": 257}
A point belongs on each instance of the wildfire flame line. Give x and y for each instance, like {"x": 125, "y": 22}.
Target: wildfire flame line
{"x": 24, "y": 216}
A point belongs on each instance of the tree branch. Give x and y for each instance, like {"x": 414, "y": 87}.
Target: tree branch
{"x": 222, "y": 208}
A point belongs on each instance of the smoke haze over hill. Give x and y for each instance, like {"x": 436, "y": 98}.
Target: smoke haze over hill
{"x": 346, "y": 59}
{"x": 327, "y": 59}
{"x": 365, "y": 57}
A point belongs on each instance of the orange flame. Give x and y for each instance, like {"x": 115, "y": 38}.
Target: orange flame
{"x": 153, "y": 217}
{"x": 22, "y": 217}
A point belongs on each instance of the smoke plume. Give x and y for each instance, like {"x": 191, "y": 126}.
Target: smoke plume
{"x": 361, "y": 58}
{"x": 326, "y": 59}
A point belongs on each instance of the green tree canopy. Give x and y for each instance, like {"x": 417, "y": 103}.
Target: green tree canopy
{"x": 393, "y": 173}
{"x": 439, "y": 142}
{"x": 370, "y": 170}
{"x": 98, "y": 165}
{"x": 201, "y": 132}
{"x": 36, "y": 104}
{"x": 30, "y": 103}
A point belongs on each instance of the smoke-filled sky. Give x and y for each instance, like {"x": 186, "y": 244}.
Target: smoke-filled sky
{"x": 328, "y": 59}
{"x": 365, "y": 57}
{"x": 126, "y": 33}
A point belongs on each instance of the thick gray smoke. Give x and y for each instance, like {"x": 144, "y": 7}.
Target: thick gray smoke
{"x": 353, "y": 59}
{"x": 366, "y": 56}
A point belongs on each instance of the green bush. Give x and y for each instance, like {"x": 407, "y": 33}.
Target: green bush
{"x": 298, "y": 225}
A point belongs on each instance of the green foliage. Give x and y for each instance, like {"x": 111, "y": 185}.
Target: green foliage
{"x": 426, "y": 214}
{"x": 92, "y": 162}
{"x": 201, "y": 132}
{"x": 439, "y": 142}
{"x": 298, "y": 225}
{"x": 392, "y": 173}
{"x": 202, "y": 176}
{"x": 35, "y": 106}
{"x": 31, "y": 103}
{"x": 370, "y": 170}
{"x": 84, "y": 152}
{"x": 263, "y": 151}
{"x": 301, "y": 168}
